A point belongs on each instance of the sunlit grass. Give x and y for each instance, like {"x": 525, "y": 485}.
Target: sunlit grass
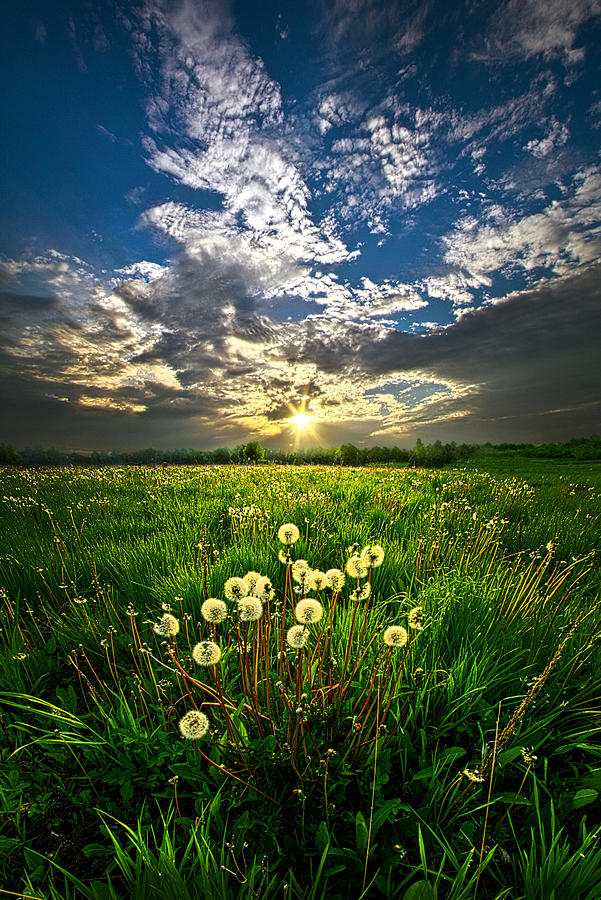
{"x": 383, "y": 739}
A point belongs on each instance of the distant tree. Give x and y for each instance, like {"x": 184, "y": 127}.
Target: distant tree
{"x": 348, "y": 454}
{"x": 8, "y": 455}
{"x": 221, "y": 455}
{"x": 253, "y": 452}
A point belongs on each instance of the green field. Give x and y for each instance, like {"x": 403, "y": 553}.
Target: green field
{"x": 461, "y": 760}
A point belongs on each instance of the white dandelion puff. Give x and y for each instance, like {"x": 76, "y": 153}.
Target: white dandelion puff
{"x": 250, "y": 609}
{"x": 193, "y": 725}
{"x": 336, "y": 579}
{"x": 213, "y": 610}
{"x": 235, "y": 589}
{"x": 297, "y": 636}
{"x": 320, "y": 580}
{"x": 263, "y": 588}
{"x": 415, "y": 619}
{"x": 356, "y": 568}
{"x": 167, "y": 626}
{"x": 372, "y": 556}
{"x": 206, "y": 653}
{"x": 395, "y": 636}
{"x": 288, "y": 534}
{"x": 308, "y": 611}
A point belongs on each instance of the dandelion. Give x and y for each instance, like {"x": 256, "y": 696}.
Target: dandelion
{"x": 193, "y": 725}
{"x": 235, "y": 589}
{"x": 362, "y": 593}
{"x": 300, "y": 566}
{"x": 263, "y": 588}
{"x": 473, "y": 775}
{"x": 415, "y": 619}
{"x": 372, "y": 556}
{"x": 251, "y": 579}
{"x": 297, "y": 636}
{"x": 308, "y": 611}
{"x": 336, "y": 579}
{"x": 250, "y": 609}
{"x": 167, "y": 626}
{"x": 395, "y": 636}
{"x": 284, "y": 557}
{"x": 206, "y": 653}
{"x": 320, "y": 580}
{"x": 213, "y": 611}
{"x": 356, "y": 567}
{"x": 288, "y": 534}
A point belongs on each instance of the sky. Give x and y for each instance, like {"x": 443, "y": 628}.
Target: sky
{"x": 214, "y": 215}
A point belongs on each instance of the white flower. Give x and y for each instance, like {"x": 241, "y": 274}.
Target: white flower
{"x": 336, "y": 579}
{"x": 263, "y": 589}
{"x": 193, "y": 725}
{"x": 167, "y": 626}
{"x": 251, "y": 579}
{"x": 308, "y": 611}
{"x": 356, "y": 567}
{"x": 206, "y": 653}
{"x": 213, "y": 610}
{"x": 250, "y": 609}
{"x": 235, "y": 589}
{"x": 415, "y": 619}
{"x": 320, "y": 580}
{"x": 297, "y": 636}
{"x": 395, "y": 636}
{"x": 288, "y": 534}
{"x": 372, "y": 556}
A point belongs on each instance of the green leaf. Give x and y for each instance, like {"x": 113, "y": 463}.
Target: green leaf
{"x": 322, "y": 837}
{"x": 421, "y": 890}
{"x": 583, "y": 798}
{"x": 451, "y": 754}
{"x": 360, "y": 832}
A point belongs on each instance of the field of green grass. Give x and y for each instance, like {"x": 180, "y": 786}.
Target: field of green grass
{"x": 429, "y": 730}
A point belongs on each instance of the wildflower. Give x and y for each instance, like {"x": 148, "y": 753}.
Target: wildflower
{"x": 320, "y": 580}
{"x": 372, "y": 556}
{"x": 288, "y": 534}
{"x": 473, "y": 775}
{"x": 308, "y": 611}
{"x": 251, "y": 579}
{"x": 395, "y": 636}
{"x": 213, "y": 610}
{"x": 167, "y": 626}
{"x": 356, "y": 567}
{"x": 361, "y": 593}
{"x": 297, "y": 636}
{"x": 336, "y": 579}
{"x": 235, "y": 589}
{"x": 250, "y": 609}
{"x": 528, "y": 756}
{"x": 415, "y": 619}
{"x": 284, "y": 557}
{"x": 206, "y": 653}
{"x": 193, "y": 725}
{"x": 298, "y": 567}
{"x": 263, "y": 588}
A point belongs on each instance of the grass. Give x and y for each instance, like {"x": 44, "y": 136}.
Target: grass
{"x": 464, "y": 763}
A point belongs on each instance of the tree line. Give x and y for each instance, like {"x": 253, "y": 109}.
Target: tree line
{"x": 424, "y": 455}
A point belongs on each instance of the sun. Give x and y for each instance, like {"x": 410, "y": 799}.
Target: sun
{"x": 301, "y": 419}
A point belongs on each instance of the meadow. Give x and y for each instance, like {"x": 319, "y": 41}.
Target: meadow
{"x": 395, "y": 695}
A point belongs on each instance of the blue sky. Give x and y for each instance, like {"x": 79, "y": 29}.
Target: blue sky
{"x": 387, "y": 212}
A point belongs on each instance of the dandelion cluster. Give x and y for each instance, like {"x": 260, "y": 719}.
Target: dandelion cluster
{"x": 193, "y": 725}
{"x": 206, "y": 653}
{"x": 167, "y": 626}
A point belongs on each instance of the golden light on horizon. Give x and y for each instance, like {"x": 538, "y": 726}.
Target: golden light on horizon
{"x": 302, "y": 420}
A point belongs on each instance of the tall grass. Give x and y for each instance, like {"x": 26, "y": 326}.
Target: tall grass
{"x": 344, "y": 768}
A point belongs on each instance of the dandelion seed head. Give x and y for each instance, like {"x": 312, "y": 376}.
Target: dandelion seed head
{"x": 473, "y": 775}
{"x": 308, "y": 611}
{"x": 320, "y": 580}
{"x": 372, "y": 556}
{"x": 213, "y": 610}
{"x": 356, "y": 568}
{"x": 415, "y": 618}
{"x": 263, "y": 588}
{"x": 336, "y": 579}
{"x": 297, "y": 636}
{"x": 288, "y": 534}
{"x": 206, "y": 653}
{"x": 235, "y": 589}
{"x": 395, "y": 636}
{"x": 250, "y": 609}
{"x": 251, "y": 579}
{"x": 284, "y": 557}
{"x": 167, "y": 626}
{"x": 193, "y": 725}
